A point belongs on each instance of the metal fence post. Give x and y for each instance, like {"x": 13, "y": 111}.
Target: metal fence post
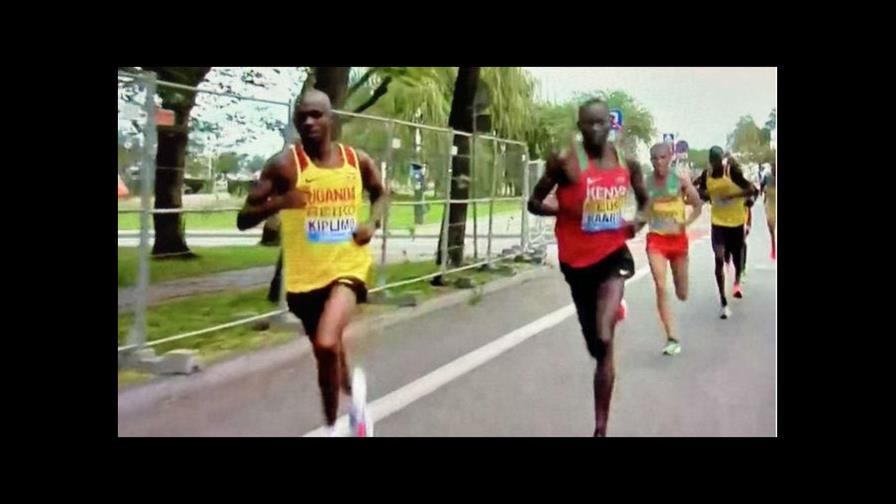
{"x": 524, "y": 223}
{"x": 137, "y": 334}
{"x": 390, "y": 133}
{"x": 491, "y": 200}
{"x": 447, "y": 213}
{"x": 472, "y": 192}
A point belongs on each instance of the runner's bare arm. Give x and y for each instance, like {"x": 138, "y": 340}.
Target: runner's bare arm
{"x": 264, "y": 188}
{"x": 379, "y": 198}
{"x": 553, "y": 174}
{"x": 373, "y": 184}
{"x": 276, "y": 190}
{"x": 737, "y": 176}
{"x": 692, "y": 198}
{"x": 700, "y": 185}
{"x": 642, "y": 197}
{"x": 637, "y": 178}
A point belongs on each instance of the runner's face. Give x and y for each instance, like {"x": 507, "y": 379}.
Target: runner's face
{"x": 594, "y": 124}
{"x": 313, "y": 121}
{"x": 659, "y": 158}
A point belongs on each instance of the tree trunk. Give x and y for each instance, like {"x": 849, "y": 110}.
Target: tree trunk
{"x": 334, "y": 82}
{"x": 461, "y": 119}
{"x": 168, "y": 191}
{"x": 170, "y": 158}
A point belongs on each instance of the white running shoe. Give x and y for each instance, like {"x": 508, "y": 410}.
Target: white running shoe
{"x": 726, "y": 312}
{"x": 359, "y": 422}
{"x": 672, "y": 348}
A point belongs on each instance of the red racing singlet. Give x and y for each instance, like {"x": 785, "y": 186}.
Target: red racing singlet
{"x": 589, "y": 221}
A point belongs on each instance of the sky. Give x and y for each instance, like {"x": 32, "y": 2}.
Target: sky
{"x": 701, "y": 104}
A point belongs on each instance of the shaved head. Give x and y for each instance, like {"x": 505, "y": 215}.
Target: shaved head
{"x": 315, "y": 99}
{"x": 715, "y": 157}
{"x": 313, "y": 117}
{"x": 660, "y": 157}
{"x": 594, "y": 123}
{"x": 661, "y": 148}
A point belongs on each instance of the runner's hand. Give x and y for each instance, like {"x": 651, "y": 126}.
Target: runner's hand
{"x": 364, "y": 233}
{"x": 634, "y": 226}
{"x": 550, "y": 204}
{"x": 296, "y": 197}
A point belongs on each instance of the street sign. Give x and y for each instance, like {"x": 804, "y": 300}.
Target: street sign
{"x": 122, "y": 188}
{"x": 616, "y": 119}
{"x": 133, "y": 112}
{"x": 164, "y": 117}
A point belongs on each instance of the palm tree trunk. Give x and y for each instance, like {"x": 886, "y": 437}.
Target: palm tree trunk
{"x": 460, "y": 119}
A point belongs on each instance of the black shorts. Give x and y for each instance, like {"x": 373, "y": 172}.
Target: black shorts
{"x": 618, "y": 264}
{"x": 584, "y": 283}
{"x": 309, "y": 306}
{"x": 729, "y": 238}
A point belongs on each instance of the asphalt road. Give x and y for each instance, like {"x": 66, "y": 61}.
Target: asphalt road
{"x": 515, "y": 364}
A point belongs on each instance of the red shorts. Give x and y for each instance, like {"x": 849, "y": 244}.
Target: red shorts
{"x": 670, "y": 246}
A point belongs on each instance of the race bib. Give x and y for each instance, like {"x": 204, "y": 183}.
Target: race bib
{"x": 331, "y": 215}
{"x": 602, "y": 210}
{"x": 665, "y": 217}
{"x": 724, "y": 203}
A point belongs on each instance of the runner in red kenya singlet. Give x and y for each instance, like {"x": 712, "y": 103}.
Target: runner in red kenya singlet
{"x": 592, "y": 184}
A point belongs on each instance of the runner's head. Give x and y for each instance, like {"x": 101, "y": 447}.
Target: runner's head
{"x": 594, "y": 122}
{"x": 313, "y": 116}
{"x": 660, "y": 156}
{"x": 716, "y": 154}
